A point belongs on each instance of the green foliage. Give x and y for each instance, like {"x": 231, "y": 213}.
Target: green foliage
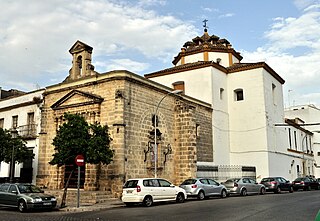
{"x": 7, "y": 144}
{"x": 97, "y": 151}
{"x": 76, "y": 137}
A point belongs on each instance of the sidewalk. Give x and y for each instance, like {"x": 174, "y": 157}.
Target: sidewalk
{"x": 111, "y": 203}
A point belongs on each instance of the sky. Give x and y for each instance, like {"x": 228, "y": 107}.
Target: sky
{"x": 143, "y": 36}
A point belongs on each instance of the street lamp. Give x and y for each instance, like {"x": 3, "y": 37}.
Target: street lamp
{"x": 155, "y": 129}
{"x": 14, "y": 134}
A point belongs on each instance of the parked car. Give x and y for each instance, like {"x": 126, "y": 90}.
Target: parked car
{"x": 244, "y": 186}
{"x": 203, "y": 188}
{"x": 305, "y": 183}
{"x": 277, "y": 184}
{"x": 25, "y": 196}
{"x": 150, "y": 190}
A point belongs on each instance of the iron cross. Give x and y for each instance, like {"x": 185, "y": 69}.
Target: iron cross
{"x": 205, "y": 23}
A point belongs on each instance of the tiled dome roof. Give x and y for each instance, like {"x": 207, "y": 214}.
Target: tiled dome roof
{"x": 206, "y": 43}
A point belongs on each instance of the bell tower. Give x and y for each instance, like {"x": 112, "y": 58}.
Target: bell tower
{"x": 81, "y": 61}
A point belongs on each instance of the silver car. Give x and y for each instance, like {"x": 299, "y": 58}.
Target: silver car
{"x": 244, "y": 186}
{"x": 203, "y": 188}
{"x": 25, "y": 196}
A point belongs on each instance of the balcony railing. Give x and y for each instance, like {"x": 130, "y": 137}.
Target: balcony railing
{"x": 28, "y": 131}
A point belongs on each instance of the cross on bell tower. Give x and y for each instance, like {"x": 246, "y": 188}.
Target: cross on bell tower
{"x": 205, "y": 25}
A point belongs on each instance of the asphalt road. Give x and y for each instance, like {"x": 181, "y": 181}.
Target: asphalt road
{"x": 298, "y": 206}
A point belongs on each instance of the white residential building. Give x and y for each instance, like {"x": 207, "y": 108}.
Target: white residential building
{"x": 247, "y": 100}
{"x": 23, "y": 113}
{"x": 310, "y": 116}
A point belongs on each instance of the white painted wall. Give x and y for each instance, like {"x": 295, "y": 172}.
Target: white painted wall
{"x": 198, "y": 83}
{"x": 22, "y": 113}
{"x": 220, "y": 117}
{"x": 212, "y": 56}
{"x": 253, "y": 137}
{"x": 309, "y": 114}
{"x": 205, "y": 84}
{"x": 194, "y": 58}
{"x": 223, "y": 56}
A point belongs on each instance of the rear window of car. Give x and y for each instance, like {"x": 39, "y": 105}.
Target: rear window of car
{"x": 4, "y": 187}
{"x": 232, "y": 180}
{"x": 299, "y": 179}
{"x": 267, "y": 180}
{"x": 131, "y": 184}
{"x": 189, "y": 181}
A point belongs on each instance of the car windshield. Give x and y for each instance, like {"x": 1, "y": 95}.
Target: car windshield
{"x": 189, "y": 181}
{"x": 29, "y": 189}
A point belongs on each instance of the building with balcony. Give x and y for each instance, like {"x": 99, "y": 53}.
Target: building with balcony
{"x": 22, "y": 112}
{"x": 308, "y": 116}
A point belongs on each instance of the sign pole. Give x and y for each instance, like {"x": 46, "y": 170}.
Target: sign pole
{"x": 79, "y": 162}
{"x": 78, "y": 197}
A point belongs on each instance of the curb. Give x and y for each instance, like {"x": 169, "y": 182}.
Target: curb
{"x": 116, "y": 203}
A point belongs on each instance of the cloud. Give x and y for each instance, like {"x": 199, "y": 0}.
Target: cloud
{"x": 35, "y": 36}
{"x": 293, "y": 51}
{"x": 144, "y": 3}
{"x": 227, "y": 15}
{"x": 123, "y": 64}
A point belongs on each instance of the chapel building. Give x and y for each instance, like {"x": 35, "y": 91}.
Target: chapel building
{"x": 128, "y": 104}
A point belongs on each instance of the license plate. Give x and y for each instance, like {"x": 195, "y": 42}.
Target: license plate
{"x": 47, "y": 204}
{"x": 129, "y": 191}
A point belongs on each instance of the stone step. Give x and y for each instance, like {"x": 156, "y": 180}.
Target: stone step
{"x": 86, "y": 197}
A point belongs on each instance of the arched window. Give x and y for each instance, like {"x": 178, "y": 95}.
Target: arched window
{"x": 238, "y": 94}
{"x": 79, "y": 64}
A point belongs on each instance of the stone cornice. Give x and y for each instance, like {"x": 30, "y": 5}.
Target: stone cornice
{"x": 114, "y": 76}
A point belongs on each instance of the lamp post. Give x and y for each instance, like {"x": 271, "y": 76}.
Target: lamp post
{"x": 14, "y": 134}
{"x": 155, "y": 129}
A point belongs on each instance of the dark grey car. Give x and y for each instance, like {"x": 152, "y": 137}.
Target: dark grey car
{"x": 25, "y": 196}
{"x": 277, "y": 184}
{"x": 244, "y": 186}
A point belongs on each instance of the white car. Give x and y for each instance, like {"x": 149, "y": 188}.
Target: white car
{"x": 150, "y": 190}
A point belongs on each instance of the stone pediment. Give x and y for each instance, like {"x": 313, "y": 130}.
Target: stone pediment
{"x": 80, "y": 46}
{"x": 76, "y": 98}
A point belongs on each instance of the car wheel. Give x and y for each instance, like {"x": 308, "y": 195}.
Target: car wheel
{"x": 291, "y": 189}
{"x": 180, "y": 198}
{"x": 223, "y": 194}
{"x": 22, "y": 207}
{"x": 262, "y": 191}
{"x": 243, "y": 192}
{"x": 201, "y": 195}
{"x": 278, "y": 190}
{"x": 148, "y": 201}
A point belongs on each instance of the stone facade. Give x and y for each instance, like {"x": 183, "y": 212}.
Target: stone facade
{"x": 126, "y": 103}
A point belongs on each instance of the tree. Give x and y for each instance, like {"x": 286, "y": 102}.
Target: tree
{"x": 76, "y": 137}
{"x": 17, "y": 145}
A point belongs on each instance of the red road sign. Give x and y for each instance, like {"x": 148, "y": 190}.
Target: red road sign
{"x": 79, "y": 160}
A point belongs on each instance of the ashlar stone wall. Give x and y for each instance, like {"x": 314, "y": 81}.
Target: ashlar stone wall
{"x": 127, "y": 103}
